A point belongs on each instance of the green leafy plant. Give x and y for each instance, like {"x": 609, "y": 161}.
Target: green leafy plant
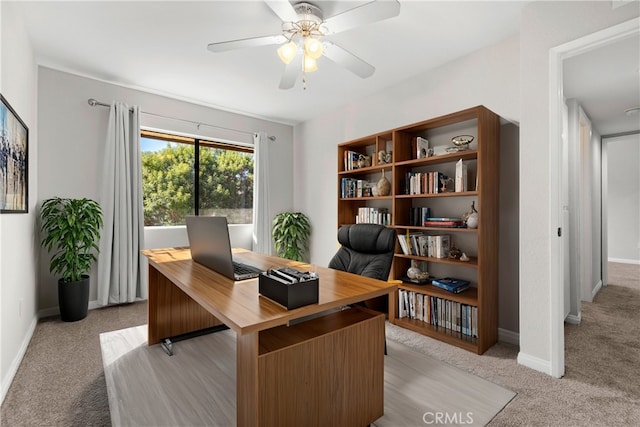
{"x": 71, "y": 229}
{"x": 291, "y": 231}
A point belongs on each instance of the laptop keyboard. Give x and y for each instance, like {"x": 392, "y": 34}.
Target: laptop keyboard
{"x": 245, "y": 271}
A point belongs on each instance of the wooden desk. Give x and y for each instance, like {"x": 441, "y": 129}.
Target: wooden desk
{"x": 324, "y": 371}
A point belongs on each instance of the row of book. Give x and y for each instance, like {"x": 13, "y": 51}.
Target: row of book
{"x": 351, "y": 187}
{"x": 351, "y": 160}
{"x": 424, "y": 182}
{"x": 421, "y": 244}
{"x": 440, "y": 312}
{"x": 418, "y": 215}
{"x": 380, "y": 216}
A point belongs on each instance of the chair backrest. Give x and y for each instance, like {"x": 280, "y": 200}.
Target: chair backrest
{"x": 367, "y": 250}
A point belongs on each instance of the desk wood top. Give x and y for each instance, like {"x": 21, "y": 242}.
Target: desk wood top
{"x": 239, "y": 305}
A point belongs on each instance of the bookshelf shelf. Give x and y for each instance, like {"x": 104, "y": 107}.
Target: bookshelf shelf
{"x": 365, "y": 170}
{"x": 428, "y": 195}
{"x": 455, "y": 338}
{"x": 442, "y": 158}
{"x": 481, "y": 160}
{"x": 350, "y": 199}
{"x": 470, "y": 296}
{"x": 472, "y": 263}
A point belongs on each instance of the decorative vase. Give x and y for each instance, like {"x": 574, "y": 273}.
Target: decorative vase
{"x": 472, "y": 217}
{"x": 384, "y": 186}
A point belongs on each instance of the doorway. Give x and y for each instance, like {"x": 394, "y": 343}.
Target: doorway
{"x": 562, "y": 247}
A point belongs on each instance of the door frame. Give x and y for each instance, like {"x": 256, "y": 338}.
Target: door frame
{"x": 556, "y": 101}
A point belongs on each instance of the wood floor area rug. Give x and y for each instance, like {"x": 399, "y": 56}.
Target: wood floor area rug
{"x": 196, "y": 386}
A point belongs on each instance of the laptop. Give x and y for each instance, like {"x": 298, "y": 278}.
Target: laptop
{"x": 210, "y": 246}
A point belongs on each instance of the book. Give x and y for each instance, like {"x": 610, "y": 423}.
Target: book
{"x": 461, "y": 177}
{"x": 447, "y": 224}
{"x": 422, "y": 148}
{"x": 403, "y": 244}
{"x": 450, "y": 284}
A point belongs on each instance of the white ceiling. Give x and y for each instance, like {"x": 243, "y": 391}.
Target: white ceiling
{"x": 161, "y": 47}
{"x": 606, "y": 82}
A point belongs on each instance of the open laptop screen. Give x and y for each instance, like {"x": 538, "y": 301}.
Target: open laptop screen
{"x": 210, "y": 246}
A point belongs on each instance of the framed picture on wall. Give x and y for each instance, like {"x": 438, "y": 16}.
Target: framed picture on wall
{"x": 14, "y": 161}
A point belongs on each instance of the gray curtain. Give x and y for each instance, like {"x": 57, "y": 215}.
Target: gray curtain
{"x": 122, "y": 237}
{"x": 261, "y": 205}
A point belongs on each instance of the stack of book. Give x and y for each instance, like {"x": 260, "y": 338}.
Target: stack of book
{"x": 444, "y": 222}
{"x": 450, "y": 284}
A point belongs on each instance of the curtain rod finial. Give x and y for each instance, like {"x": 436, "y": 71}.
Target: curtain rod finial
{"x": 92, "y": 102}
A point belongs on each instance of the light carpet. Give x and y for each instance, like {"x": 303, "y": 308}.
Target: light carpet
{"x": 196, "y": 386}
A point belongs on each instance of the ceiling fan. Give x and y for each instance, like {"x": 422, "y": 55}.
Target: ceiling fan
{"x": 303, "y": 41}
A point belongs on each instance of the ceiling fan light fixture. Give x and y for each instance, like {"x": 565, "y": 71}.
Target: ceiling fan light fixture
{"x": 309, "y": 64}
{"x": 287, "y": 52}
{"x": 313, "y": 48}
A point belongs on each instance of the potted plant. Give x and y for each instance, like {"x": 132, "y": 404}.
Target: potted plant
{"x": 71, "y": 230}
{"x": 291, "y": 231}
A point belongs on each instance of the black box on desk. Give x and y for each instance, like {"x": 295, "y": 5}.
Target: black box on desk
{"x": 289, "y": 295}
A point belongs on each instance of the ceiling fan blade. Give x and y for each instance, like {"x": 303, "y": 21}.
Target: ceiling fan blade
{"x": 362, "y": 15}
{"x": 283, "y": 9}
{"x": 244, "y": 43}
{"x": 291, "y": 72}
{"x": 348, "y": 60}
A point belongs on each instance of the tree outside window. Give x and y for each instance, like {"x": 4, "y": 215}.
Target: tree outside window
{"x": 170, "y": 191}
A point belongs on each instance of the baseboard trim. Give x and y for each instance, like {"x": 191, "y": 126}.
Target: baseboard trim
{"x": 535, "y": 363}
{"x": 55, "y": 311}
{"x": 596, "y": 289}
{"x": 15, "y": 364}
{"x": 509, "y": 337}
{"x": 625, "y": 261}
{"x": 574, "y": 319}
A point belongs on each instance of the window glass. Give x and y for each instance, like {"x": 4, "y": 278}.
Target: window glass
{"x": 226, "y": 184}
{"x": 170, "y": 190}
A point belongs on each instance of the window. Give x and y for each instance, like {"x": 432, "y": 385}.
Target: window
{"x": 170, "y": 165}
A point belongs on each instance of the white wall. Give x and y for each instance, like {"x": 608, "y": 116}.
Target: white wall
{"x": 545, "y": 25}
{"x": 18, "y": 244}
{"x": 623, "y": 198}
{"x": 488, "y": 77}
{"x": 73, "y": 134}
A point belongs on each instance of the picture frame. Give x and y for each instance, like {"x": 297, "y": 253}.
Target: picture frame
{"x": 14, "y": 161}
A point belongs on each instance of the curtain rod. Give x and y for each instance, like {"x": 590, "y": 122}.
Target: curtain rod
{"x": 94, "y": 103}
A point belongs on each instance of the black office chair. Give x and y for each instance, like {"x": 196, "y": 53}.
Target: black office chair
{"x": 367, "y": 250}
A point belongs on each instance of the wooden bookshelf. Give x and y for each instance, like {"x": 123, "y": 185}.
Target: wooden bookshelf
{"x": 480, "y": 244}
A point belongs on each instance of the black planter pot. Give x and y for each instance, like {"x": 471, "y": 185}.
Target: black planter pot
{"x": 73, "y": 298}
